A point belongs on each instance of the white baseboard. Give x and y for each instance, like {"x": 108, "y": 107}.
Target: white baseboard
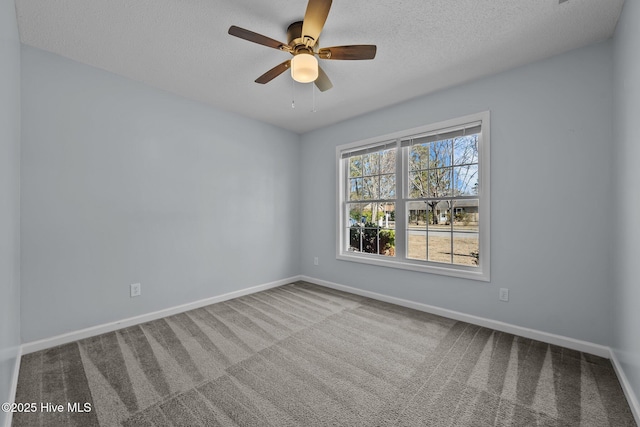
{"x": 14, "y": 386}
{"x": 574, "y": 344}
{"x": 626, "y": 386}
{"x": 68, "y": 337}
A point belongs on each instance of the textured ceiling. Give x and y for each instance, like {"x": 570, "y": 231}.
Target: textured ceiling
{"x": 182, "y": 46}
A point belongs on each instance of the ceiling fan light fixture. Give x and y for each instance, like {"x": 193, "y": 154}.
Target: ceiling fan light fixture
{"x": 302, "y": 43}
{"x": 304, "y": 68}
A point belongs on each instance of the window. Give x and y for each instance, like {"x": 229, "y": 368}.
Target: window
{"x": 418, "y": 199}
{"x": 371, "y": 199}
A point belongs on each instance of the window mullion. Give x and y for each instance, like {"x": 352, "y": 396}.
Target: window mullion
{"x": 346, "y": 239}
{"x": 451, "y": 224}
{"x": 401, "y": 191}
{"x": 427, "y": 230}
{"x": 452, "y": 191}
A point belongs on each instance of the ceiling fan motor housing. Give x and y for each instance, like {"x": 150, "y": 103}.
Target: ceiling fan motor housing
{"x": 294, "y": 37}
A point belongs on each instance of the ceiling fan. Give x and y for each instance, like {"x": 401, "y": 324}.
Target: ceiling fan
{"x": 302, "y": 43}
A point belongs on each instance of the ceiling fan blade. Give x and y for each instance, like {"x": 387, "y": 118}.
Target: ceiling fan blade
{"x": 274, "y": 72}
{"x": 255, "y": 37}
{"x": 314, "y": 19}
{"x": 322, "y": 82}
{"x": 358, "y": 51}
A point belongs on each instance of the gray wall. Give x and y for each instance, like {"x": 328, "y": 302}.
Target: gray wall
{"x": 122, "y": 183}
{"x": 551, "y": 131}
{"x": 9, "y": 197}
{"x": 626, "y": 311}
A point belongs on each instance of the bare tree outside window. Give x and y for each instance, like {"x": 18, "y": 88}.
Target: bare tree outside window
{"x": 443, "y": 174}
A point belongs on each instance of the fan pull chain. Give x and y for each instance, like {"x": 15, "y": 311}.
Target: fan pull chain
{"x": 293, "y": 93}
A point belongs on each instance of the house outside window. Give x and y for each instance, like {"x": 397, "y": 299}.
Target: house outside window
{"x": 418, "y": 199}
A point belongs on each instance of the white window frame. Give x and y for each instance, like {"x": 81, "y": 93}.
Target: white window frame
{"x": 482, "y": 271}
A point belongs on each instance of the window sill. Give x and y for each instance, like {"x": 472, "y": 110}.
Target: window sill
{"x": 433, "y": 268}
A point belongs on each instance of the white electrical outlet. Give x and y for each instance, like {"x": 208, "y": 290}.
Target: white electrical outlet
{"x": 315, "y": 261}
{"x": 135, "y": 289}
{"x": 504, "y": 294}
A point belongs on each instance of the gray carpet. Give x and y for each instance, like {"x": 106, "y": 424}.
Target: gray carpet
{"x": 303, "y": 355}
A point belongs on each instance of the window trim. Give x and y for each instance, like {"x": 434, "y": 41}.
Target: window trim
{"x": 482, "y": 272}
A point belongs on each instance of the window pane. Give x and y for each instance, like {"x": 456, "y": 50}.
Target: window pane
{"x": 355, "y": 189}
{"x": 383, "y": 214}
{"x": 372, "y": 240}
{"x": 440, "y": 154}
{"x": 355, "y": 166}
{"x": 355, "y": 239}
{"x": 370, "y": 164}
{"x": 440, "y": 181}
{"x": 388, "y": 161}
{"x": 466, "y": 248}
{"x": 465, "y": 180}
{"x": 439, "y": 214}
{"x": 466, "y": 242}
{"x": 388, "y": 186}
{"x": 371, "y": 228}
{"x": 367, "y": 237}
{"x": 416, "y": 244}
{"x": 358, "y": 214}
{"x": 417, "y": 214}
{"x": 370, "y": 187}
{"x": 439, "y": 245}
{"x": 465, "y": 150}
{"x": 439, "y": 231}
{"x": 387, "y": 242}
{"x": 418, "y": 184}
{"x": 465, "y": 215}
{"x": 419, "y": 156}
